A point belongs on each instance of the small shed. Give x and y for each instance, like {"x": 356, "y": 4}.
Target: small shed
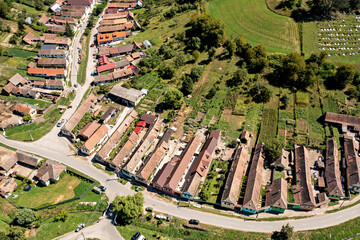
{"x": 147, "y": 44}
{"x": 28, "y": 20}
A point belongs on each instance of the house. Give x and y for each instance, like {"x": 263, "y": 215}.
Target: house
{"x": 103, "y": 60}
{"x": 21, "y": 91}
{"x": 128, "y": 97}
{"x": 88, "y": 130}
{"x": 164, "y": 173}
{"x": 233, "y": 182}
{"x": 135, "y": 160}
{"x": 200, "y": 167}
{"x": 49, "y": 84}
{"x": 7, "y": 186}
{"x": 245, "y": 136}
{"x": 122, "y": 63}
{"x": 276, "y": 196}
{"x": 148, "y": 118}
{"x": 52, "y": 62}
{"x": 17, "y": 80}
{"x": 117, "y": 51}
{"x": 147, "y": 168}
{"x": 81, "y": 3}
{"x": 22, "y": 110}
{"x": 60, "y": 41}
{"x": 106, "y": 67}
{"x": 125, "y": 150}
{"x": 48, "y": 46}
{"x": 303, "y": 190}
{"x": 253, "y": 186}
{"x": 352, "y": 164}
{"x": 110, "y": 37}
{"x": 89, "y": 102}
{"x": 114, "y": 139}
{"x": 110, "y": 29}
{"x": 29, "y": 160}
{"x": 56, "y": 28}
{"x": 119, "y": 21}
{"x": 187, "y": 156}
{"x": 71, "y": 14}
{"x": 51, "y": 53}
{"x": 98, "y": 137}
{"x": 31, "y": 65}
{"x": 29, "y": 38}
{"x": 117, "y": 15}
{"x": 332, "y": 171}
{"x": 49, "y": 172}
{"x": 59, "y": 20}
{"x": 108, "y": 114}
{"x": 47, "y": 72}
{"x": 7, "y": 162}
{"x": 44, "y": 19}
{"x": 346, "y": 122}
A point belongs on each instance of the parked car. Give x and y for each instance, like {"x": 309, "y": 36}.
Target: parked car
{"x": 27, "y": 188}
{"x": 102, "y": 188}
{"x": 194, "y": 221}
{"x": 135, "y": 236}
{"x": 76, "y": 85}
{"x": 149, "y": 209}
{"x": 141, "y": 238}
{"x": 169, "y": 218}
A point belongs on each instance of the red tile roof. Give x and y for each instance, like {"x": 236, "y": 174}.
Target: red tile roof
{"x": 106, "y": 67}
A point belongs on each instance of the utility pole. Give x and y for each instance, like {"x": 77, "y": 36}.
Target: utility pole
{"x": 30, "y": 135}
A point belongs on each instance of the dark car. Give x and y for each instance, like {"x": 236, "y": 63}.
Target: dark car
{"x": 102, "y": 188}
{"x": 27, "y": 188}
{"x": 136, "y": 235}
{"x": 194, "y": 221}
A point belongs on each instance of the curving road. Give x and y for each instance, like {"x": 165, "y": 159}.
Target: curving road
{"x": 56, "y": 152}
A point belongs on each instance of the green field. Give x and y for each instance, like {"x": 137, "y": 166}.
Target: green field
{"x": 67, "y": 188}
{"x": 258, "y": 24}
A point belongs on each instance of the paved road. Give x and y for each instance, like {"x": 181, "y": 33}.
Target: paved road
{"x": 115, "y": 188}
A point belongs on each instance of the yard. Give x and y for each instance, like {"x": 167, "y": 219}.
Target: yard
{"x": 258, "y": 24}
{"x": 68, "y": 187}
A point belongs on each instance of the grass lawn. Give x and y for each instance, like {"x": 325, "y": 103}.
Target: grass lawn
{"x": 28, "y": 9}
{"x": 81, "y": 77}
{"x": 50, "y": 228}
{"x": 268, "y": 124}
{"x": 258, "y": 24}
{"x": 37, "y": 102}
{"x": 20, "y": 53}
{"x": 66, "y": 188}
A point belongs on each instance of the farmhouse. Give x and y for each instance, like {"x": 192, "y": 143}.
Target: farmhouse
{"x": 332, "y": 171}
{"x": 303, "y": 192}
{"x": 106, "y": 67}
{"x": 276, "y": 196}
{"x": 128, "y": 97}
{"x": 107, "y": 115}
{"x": 230, "y": 195}
{"x": 165, "y": 173}
{"x": 49, "y": 172}
{"x": 97, "y": 138}
{"x": 135, "y": 160}
{"x": 118, "y": 15}
{"x": 60, "y": 41}
{"x": 346, "y": 122}
{"x": 186, "y": 157}
{"x": 148, "y": 167}
{"x": 88, "y": 130}
{"x": 56, "y": 28}
{"x": 47, "y": 72}
{"x": 89, "y": 102}
{"x": 117, "y": 51}
{"x": 200, "y": 167}
{"x": 49, "y": 84}
{"x": 52, "y": 62}
{"x": 110, "y": 37}
{"x": 7, "y": 186}
{"x": 27, "y": 159}
{"x": 352, "y": 164}
{"x": 125, "y": 150}
{"x": 51, "y": 53}
{"x": 22, "y": 110}
{"x": 62, "y": 20}
{"x": 253, "y": 186}
{"x": 110, "y": 29}
{"x": 7, "y": 162}
{"x": 29, "y": 38}
{"x": 112, "y": 77}
{"x": 114, "y": 139}
{"x": 149, "y": 119}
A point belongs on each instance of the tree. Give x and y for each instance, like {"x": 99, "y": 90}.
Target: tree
{"x": 321, "y": 8}
{"x": 345, "y": 74}
{"x": 128, "y": 208}
{"x": 179, "y": 60}
{"x": 16, "y": 233}
{"x": 25, "y": 217}
{"x": 284, "y": 101}
{"x": 27, "y": 117}
{"x": 13, "y": 39}
{"x": 211, "y": 32}
{"x": 166, "y": 71}
{"x": 68, "y": 31}
{"x": 104, "y": 89}
{"x": 211, "y": 93}
{"x": 173, "y": 99}
{"x": 286, "y": 233}
{"x": 196, "y": 55}
{"x": 241, "y": 45}
{"x": 39, "y": 5}
{"x": 212, "y": 52}
{"x": 195, "y": 73}
{"x": 260, "y": 93}
{"x": 195, "y": 43}
{"x": 167, "y": 51}
{"x": 273, "y": 149}
{"x": 63, "y": 215}
{"x": 4, "y": 9}
{"x": 238, "y": 78}
{"x": 230, "y": 46}
{"x": 292, "y": 70}
{"x": 21, "y": 25}
{"x": 187, "y": 85}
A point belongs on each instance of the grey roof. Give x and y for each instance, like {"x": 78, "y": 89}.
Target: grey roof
{"x": 129, "y": 94}
{"x": 122, "y": 63}
{"x": 27, "y": 158}
{"x": 48, "y": 46}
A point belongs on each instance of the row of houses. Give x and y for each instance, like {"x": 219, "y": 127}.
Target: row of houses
{"x": 47, "y": 38}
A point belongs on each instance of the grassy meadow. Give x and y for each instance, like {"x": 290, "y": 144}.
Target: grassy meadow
{"x": 257, "y": 23}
